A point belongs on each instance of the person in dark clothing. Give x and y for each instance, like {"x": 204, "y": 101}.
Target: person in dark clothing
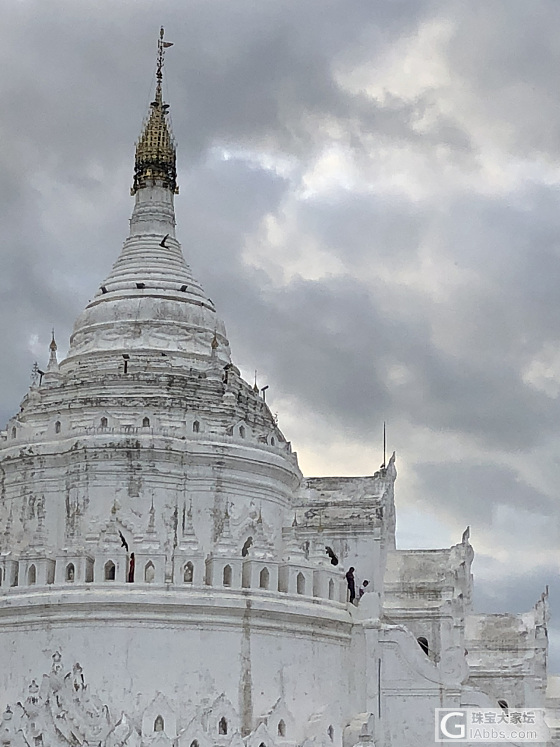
{"x": 332, "y": 555}
{"x": 131, "y": 565}
{"x": 351, "y": 584}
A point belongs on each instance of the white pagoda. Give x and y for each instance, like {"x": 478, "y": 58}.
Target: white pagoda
{"x": 167, "y": 575}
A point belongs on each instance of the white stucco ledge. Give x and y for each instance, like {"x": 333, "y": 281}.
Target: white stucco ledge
{"x": 368, "y": 611}
{"x": 399, "y": 643}
{"x": 124, "y": 604}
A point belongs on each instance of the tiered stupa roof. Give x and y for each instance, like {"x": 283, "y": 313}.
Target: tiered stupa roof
{"x": 150, "y": 301}
{"x": 149, "y": 347}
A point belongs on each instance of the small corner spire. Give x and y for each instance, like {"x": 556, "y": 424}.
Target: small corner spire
{"x": 35, "y": 375}
{"x": 53, "y": 359}
{"x": 152, "y": 518}
{"x": 155, "y": 162}
{"x": 214, "y": 369}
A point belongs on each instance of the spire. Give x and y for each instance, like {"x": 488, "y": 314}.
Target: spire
{"x": 155, "y": 150}
{"x": 188, "y": 541}
{"x": 293, "y": 551}
{"x": 225, "y": 544}
{"x": 53, "y": 360}
{"x": 152, "y": 519}
{"x": 215, "y": 368}
{"x": 39, "y": 536}
{"x": 8, "y": 528}
{"x": 188, "y": 528}
{"x": 262, "y": 546}
{"x": 150, "y": 303}
{"x": 35, "y": 375}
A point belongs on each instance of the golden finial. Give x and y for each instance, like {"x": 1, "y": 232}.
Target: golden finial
{"x": 162, "y": 46}
{"x": 155, "y": 161}
{"x": 53, "y": 346}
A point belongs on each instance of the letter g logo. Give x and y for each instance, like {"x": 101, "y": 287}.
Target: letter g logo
{"x": 459, "y": 729}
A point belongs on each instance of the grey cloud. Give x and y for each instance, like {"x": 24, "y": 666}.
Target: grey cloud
{"x": 507, "y": 59}
{"x": 337, "y": 359}
{"x": 471, "y": 491}
{"x": 366, "y": 228}
{"x": 514, "y": 593}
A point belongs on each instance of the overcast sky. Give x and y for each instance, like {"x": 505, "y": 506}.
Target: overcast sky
{"x": 369, "y": 194}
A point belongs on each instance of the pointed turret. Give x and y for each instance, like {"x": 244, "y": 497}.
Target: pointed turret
{"x": 52, "y": 374}
{"x": 53, "y": 359}
{"x": 215, "y": 369}
{"x": 8, "y": 528}
{"x": 188, "y": 542}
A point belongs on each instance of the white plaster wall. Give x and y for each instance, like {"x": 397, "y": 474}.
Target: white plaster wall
{"x": 85, "y": 482}
{"x": 187, "y": 647}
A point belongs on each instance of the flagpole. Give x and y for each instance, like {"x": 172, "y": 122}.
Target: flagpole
{"x": 384, "y": 445}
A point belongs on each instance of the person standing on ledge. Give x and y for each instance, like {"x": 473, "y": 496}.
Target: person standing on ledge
{"x": 131, "y": 568}
{"x": 351, "y": 584}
